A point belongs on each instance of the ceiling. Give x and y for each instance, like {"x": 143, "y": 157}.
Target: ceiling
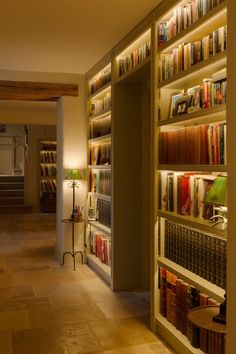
{"x": 67, "y": 36}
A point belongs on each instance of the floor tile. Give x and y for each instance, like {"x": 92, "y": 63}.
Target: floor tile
{"x": 14, "y": 320}
{"x": 5, "y": 343}
{"x": 122, "y": 332}
{"x": 68, "y": 339}
{"x": 46, "y": 308}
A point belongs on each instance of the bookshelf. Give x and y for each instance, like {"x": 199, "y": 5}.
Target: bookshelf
{"x": 99, "y": 115}
{"x": 48, "y": 173}
{"x": 134, "y": 57}
{"x": 189, "y": 86}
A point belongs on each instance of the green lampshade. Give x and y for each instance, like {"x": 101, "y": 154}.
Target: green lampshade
{"x": 217, "y": 194}
{"x": 73, "y": 174}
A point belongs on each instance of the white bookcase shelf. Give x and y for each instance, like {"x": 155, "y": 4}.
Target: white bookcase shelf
{"x": 100, "y": 139}
{"x": 203, "y": 225}
{"x": 102, "y": 269}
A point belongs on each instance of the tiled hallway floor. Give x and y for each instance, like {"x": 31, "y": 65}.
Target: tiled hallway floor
{"x": 49, "y": 309}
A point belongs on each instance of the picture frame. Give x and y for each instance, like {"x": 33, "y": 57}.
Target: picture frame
{"x": 182, "y": 104}
{"x": 173, "y": 106}
{"x": 195, "y": 92}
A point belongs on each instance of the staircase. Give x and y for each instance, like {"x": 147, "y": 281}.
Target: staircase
{"x": 12, "y": 194}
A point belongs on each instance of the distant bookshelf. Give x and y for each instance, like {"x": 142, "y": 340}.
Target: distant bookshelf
{"x": 48, "y": 173}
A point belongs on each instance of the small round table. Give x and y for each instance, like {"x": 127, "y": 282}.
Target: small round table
{"x": 202, "y": 317}
{"x": 73, "y": 252}
{"x": 215, "y": 332}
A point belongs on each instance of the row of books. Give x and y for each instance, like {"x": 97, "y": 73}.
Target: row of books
{"x": 138, "y": 56}
{"x": 100, "y": 182}
{"x": 101, "y": 105}
{"x": 101, "y": 80}
{"x": 100, "y": 127}
{"x": 103, "y": 212}
{"x": 48, "y": 170}
{"x": 100, "y": 246}
{"x": 177, "y": 298}
{"x": 196, "y": 145}
{"x": 48, "y": 185}
{"x": 44, "y": 145}
{"x": 100, "y": 154}
{"x": 200, "y": 252}
{"x": 183, "y": 17}
{"x": 48, "y": 156}
{"x": 184, "y": 193}
{"x": 189, "y": 54}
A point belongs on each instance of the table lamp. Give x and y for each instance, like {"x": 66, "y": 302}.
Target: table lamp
{"x": 73, "y": 176}
{"x": 217, "y": 196}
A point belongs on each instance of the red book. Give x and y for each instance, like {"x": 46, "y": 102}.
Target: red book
{"x": 185, "y": 195}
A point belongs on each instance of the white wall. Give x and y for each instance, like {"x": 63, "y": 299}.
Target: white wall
{"x": 71, "y": 153}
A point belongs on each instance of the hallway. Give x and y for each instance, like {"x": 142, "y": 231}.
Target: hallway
{"x": 49, "y": 309}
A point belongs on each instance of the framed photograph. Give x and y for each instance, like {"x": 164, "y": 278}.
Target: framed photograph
{"x": 2, "y": 128}
{"x": 173, "y": 106}
{"x": 195, "y": 93}
{"x": 182, "y": 104}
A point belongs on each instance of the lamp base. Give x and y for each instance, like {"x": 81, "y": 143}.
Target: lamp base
{"x": 219, "y": 318}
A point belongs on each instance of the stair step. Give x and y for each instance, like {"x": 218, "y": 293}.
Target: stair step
{"x": 11, "y": 185}
{"x": 11, "y": 193}
{"x": 12, "y": 201}
{"x": 11, "y": 178}
{"x": 15, "y": 209}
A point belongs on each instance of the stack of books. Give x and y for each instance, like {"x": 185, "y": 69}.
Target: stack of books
{"x": 100, "y": 246}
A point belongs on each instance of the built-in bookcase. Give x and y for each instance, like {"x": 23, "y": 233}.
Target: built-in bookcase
{"x": 99, "y": 235}
{"x": 159, "y": 125}
{"x": 190, "y": 158}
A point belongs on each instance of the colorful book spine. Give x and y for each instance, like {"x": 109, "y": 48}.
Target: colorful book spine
{"x": 189, "y": 54}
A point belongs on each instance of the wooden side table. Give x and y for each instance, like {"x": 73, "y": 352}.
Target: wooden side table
{"x": 73, "y": 252}
{"x": 202, "y": 318}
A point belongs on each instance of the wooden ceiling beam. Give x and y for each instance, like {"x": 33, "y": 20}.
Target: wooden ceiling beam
{"x": 35, "y": 91}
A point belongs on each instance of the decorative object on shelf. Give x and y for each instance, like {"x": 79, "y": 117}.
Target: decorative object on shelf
{"x": 91, "y": 213}
{"x": 173, "y": 106}
{"x": 73, "y": 176}
{"x": 182, "y": 104}
{"x": 221, "y": 317}
{"x": 218, "y": 197}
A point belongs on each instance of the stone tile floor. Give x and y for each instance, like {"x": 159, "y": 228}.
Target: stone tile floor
{"x": 49, "y": 309}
